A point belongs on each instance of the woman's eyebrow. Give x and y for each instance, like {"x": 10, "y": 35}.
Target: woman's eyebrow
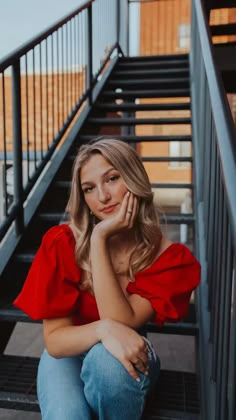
{"x": 104, "y": 174}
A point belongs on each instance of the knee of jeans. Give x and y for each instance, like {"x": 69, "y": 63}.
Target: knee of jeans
{"x": 102, "y": 370}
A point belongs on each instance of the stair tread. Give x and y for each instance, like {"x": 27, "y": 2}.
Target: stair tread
{"x": 149, "y": 93}
{"x": 131, "y": 106}
{"x": 176, "y": 391}
{"x": 67, "y": 184}
{"x": 8, "y": 312}
{"x": 223, "y": 29}
{"x": 139, "y": 121}
{"x": 157, "y": 72}
{"x": 148, "y": 81}
{"x": 145, "y": 58}
{"x": 137, "y": 139}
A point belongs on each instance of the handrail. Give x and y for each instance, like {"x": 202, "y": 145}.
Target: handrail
{"x": 214, "y": 144}
{"x": 224, "y": 125}
{"x": 27, "y": 46}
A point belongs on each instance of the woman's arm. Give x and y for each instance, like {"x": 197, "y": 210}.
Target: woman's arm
{"x": 112, "y": 303}
{"x": 63, "y": 339}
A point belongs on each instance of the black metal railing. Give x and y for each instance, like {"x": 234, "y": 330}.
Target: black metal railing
{"x": 43, "y": 86}
{"x": 214, "y": 138}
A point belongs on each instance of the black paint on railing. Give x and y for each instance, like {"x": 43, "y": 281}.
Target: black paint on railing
{"x": 214, "y": 139}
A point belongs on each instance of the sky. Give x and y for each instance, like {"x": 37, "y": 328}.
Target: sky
{"x": 20, "y": 20}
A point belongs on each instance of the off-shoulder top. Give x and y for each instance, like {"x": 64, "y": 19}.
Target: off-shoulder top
{"x": 51, "y": 289}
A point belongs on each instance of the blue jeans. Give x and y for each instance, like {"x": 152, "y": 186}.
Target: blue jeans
{"x": 93, "y": 385}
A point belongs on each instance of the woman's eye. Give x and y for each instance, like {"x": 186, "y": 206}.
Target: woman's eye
{"x": 113, "y": 178}
{"x": 88, "y": 189}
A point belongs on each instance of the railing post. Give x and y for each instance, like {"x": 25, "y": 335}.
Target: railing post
{"x": 17, "y": 146}
{"x": 118, "y": 22}
{"x": 127, "y": 29}
{"x": 90, "y": 55}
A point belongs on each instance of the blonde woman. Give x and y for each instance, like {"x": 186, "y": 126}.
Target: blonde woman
{"x": 95, "y": 281}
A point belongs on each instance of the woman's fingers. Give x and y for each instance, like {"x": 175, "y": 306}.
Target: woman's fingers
{"x": 134, "y": 211}
{"x": 130, "y": 369}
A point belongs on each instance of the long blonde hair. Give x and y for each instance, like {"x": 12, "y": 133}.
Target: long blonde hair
{"x": 147, "y": 230}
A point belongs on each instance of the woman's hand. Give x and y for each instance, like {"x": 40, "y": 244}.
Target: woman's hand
{"x": 123, "y": 219}
{"x": 126, "y": 345}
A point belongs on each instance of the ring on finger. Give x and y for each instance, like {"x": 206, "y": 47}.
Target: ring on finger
{"x": 129, "y": 211}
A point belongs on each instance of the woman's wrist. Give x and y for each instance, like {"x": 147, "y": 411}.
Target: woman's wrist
{"x": 103, "y": 328}
{"x": 98, "y": 235}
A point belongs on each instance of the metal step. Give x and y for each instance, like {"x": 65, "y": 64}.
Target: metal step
{"x": 227, "y": 29}
{"x": 152, "y": 93}
{"x": 158, "y": 58}
{"x": 133, "y": 83}
{"x": 149, "y": 72}
{"x": 139, "y": 121}
{"x": 67, "y": 184}
{"x": 167, "y": 159}
{"x": 10, "y": 313}
{"x": 152, "y": 65}
{"x": 140, "y": 139}
{"x": 175, "y": 395}
{"x": 132, "y": 106}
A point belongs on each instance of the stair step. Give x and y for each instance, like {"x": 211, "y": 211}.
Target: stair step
{"x": 10, "y": 313}
{"x": 132, "y": 106}
{"x": 139, "y": 121}
{"x": 152, "y": 65}
{"x": 27, "y": 255}
{"x": 145, "y": 83}
{"x": 140, "y": 139}
{"x": 176, "y": 392}
{"x": 171, "y": 185}
{"x": 157, "y": 58}
{"x": 152, "y": 72}
{"x": 227, "y": 29}
{"x": 151, "y": 93}
{"x": 167, "y": 159}
{"x": 222, "y": 4}
{"x": 66, "y": 185}
{"x": 156, "y": 159}
{"x": 181, "y": 328}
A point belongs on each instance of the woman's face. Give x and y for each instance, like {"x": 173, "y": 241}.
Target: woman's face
{"x": 102, "y": 186}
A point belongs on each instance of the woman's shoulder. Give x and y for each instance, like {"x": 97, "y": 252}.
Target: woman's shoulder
{"x": 172, "y": 255}
{"x": 58, "y": 234}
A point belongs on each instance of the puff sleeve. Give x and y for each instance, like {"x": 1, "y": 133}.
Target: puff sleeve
{"x": 51, "y": 287}
{"x": 168, "y": 283}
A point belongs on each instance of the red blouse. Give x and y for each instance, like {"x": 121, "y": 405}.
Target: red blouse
{"x": 51, "y": 288}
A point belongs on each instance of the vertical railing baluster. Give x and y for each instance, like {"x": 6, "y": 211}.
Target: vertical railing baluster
{"x": 17, "y": 147}
{"x": 89, "y": 73}
{"x": 41, "y": 99}
{"x": 5, "y": 196}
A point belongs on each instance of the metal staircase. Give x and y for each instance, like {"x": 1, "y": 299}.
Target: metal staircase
{"x": 138, "y": 100}
{"x": 115, "y": 113}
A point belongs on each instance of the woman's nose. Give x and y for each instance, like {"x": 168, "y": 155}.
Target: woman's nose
{"x": 103, "y": 194}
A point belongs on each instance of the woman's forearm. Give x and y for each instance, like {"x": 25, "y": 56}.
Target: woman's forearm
{"x": 71, "y": 340}
{"x": 110, "y": 298}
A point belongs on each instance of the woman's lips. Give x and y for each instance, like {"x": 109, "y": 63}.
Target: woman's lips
{"x": 108, "y": 209}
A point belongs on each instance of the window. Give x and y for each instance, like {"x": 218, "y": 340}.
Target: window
{"x": 184, "y": 36}
{"x": 179, "y": 149}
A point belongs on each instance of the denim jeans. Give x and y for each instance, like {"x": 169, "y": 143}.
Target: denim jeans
{"x": 93, "y": 385}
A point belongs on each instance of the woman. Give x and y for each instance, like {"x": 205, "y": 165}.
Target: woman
{"x": 95, "y": 281}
